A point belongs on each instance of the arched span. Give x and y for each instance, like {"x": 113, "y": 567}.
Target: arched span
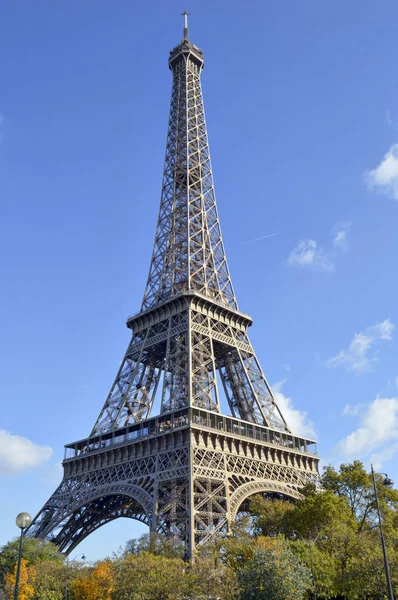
{"x": 94, "y": 515}
{"x": 258, "y": 487}
{"x": 67, "y": 519}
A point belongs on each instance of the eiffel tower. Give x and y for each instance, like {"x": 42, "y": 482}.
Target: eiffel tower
{"x": 188, "y": 471}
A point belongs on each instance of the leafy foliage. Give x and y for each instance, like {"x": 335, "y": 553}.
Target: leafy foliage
{"x": 209, "y": 578}
{"x": 273, "y": 573}
{"x": 155, "y": 543}
{"x": 26, "y": 582}
{"x": 149, "y": 576}
{"x": 337, "y": 539}
{"x": 349, "y": 563}
{"x": 355, "y": 484}
{"x": 34, "y": 552}
{"x": 98, "y": 584}
{"x": 271, "y": 517}
{"x": 49, "y": 581}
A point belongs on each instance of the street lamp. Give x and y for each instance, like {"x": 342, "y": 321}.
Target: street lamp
{"x": 68, "y": 561}
{"x": 310, "y": 543}
{"x": 23, "y": 520}
{"x": 387, "y": 482}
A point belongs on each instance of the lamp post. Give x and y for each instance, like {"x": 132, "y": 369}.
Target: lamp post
{"x": 388, "y": 483}
{"x": 23, "y": 520}
{"x": 310, "y": 543}
{"x": 67, "y": 572}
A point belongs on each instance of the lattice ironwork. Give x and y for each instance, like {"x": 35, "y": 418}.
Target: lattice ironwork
{"x": 188, "y": 474}
{"x": 188, "y": 253}
{"x": 193, "y": 492}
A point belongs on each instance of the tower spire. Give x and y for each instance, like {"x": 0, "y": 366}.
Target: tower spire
{"x": 185, "y": 14}
{"x": 188, "y": 253}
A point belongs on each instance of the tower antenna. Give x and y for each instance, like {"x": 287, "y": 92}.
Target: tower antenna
{"x": 185, "y": 14}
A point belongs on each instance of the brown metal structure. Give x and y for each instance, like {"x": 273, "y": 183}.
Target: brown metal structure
{"x": 185, "y": 472}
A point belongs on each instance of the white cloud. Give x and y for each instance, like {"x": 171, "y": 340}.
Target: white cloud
{"x": 356, "y": 357}
{"x": 382, "y": 330}
{"x": 384, "y": 178}
{"x": 340, "y": 235}
{"x": 352, "y": 409}
{"x": 379, "y": 425}
{"x": 296, "y": 419}
{"x": 340, "y": 240}
{"x": 308, "y": 254}
{"x": 18, "y": 453}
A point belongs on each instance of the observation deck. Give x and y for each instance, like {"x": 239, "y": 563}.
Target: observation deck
{"x": 187, "y": 418}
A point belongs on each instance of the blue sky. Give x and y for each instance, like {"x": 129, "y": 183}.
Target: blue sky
{"x": 302, "y": 110}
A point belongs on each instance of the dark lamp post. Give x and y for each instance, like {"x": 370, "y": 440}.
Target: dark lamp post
{"x": 23, "y": 520}
{"x": 293, "y": 536}
{"x": 387, "y": 482}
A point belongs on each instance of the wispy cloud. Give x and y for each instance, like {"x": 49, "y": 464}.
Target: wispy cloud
{"x": 308, "y": 254}
{"x": 263, "y": 237}
{"x": 384, "y": 178}
{"x": 296, "y": 419}
{"x": 356, "y": 357}
{"x": 391, "y": 120}
{"x": 340, "y": 234}
{"x": 352, "y": 409}
{"x": 378, "y": 428}
{"x": 19, "y": 453}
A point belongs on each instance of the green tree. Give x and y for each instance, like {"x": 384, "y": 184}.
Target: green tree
{"x": 273, "y": 573}
{"x": 352, "y": 482}
{"x": 316, "y": 513}
{"x": 344, "y": 512}
{"x": 150, "y": 577}
{"x": 270, "y": 516}
{"x": 49, "y": 581}
{"x": 207, "y": 578}
{"x": 157, "y": 544}
{"x": 34, "y": 552}
{"x": 324, "y": 566}
{"x": 357, "y": 550}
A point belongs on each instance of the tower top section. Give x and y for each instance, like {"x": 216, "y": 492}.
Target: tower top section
{"x": 188, "y": 255}
{"x": 186, "y": 49}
